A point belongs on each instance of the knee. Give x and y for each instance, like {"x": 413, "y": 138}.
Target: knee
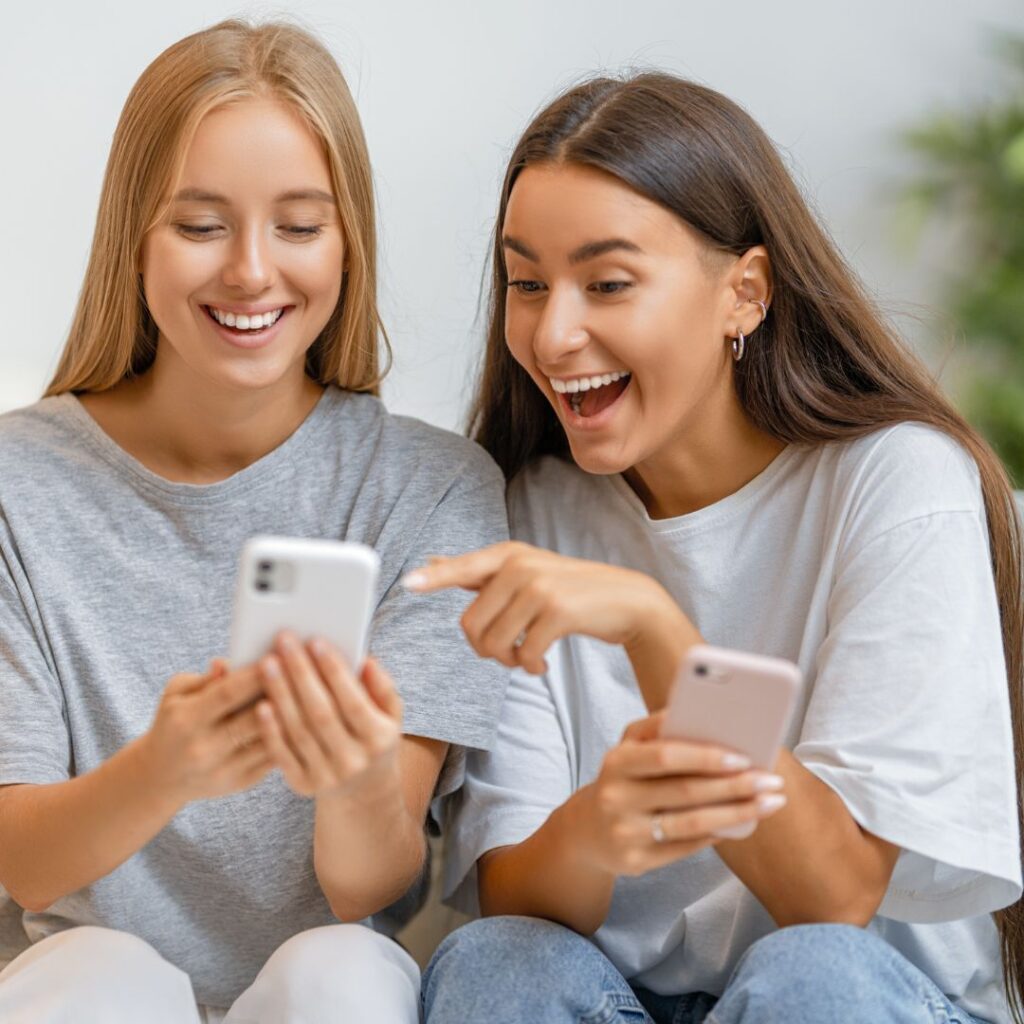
{"x": 489, "y": 958}
{"x": 335, "y": 963}
{"x": 805, "y": 965}
{"x": 99, "y": 966}
{"x": 501, "y": 945}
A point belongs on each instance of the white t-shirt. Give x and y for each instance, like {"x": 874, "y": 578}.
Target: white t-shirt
{"x": 866, "y": 563}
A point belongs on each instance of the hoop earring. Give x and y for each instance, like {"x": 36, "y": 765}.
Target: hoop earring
{"x": 739, "y": 346}
{"x": 764, "y": 309}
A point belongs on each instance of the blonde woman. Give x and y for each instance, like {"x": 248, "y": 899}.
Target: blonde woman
{"x": 219, "y": 382}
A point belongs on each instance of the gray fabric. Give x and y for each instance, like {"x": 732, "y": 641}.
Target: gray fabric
{"x": 113, "y": 579}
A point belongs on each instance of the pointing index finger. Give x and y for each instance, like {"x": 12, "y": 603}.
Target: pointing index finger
{"x": 470, "y": 571}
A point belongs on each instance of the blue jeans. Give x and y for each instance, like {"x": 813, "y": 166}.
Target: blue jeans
{"x": 518, "y": 970}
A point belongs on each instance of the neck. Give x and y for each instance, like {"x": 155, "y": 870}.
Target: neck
{"x": 707, "y": 462}
{"x": 192, "y": 430}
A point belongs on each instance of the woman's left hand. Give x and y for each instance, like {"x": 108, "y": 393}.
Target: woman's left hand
{"x": 326, "y": 729}
{"x": 528, "y": 598}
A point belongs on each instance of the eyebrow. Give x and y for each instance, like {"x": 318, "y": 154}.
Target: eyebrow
{"x": 198, "y": 195}
{"x": 589, "y": 251}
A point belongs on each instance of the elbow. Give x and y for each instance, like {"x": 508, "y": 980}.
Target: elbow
{"x": 34, "y": 903}
{"x": 350, "y": 911}
{"x": 33, "y": 906}
{"x": 855, "y": 906}
{"x": 352, "y": 900}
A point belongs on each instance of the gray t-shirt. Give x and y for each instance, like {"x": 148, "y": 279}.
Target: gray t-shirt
{"x": 113, "y": 579}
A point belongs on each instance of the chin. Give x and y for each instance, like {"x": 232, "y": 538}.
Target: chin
{"x": 250, "y": 378}
{"x": 599, "y": 463}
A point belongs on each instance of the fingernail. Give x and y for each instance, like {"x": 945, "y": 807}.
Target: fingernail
{"x": 317, "y": 646}
{"x": 772, "y": 802}
{"x": 415, "y": 580}
{"x": 763, "y": 783}
{"x": 735, "y": 762}
{"x": 735, "y": 831}
{"x": 269, "y": 667}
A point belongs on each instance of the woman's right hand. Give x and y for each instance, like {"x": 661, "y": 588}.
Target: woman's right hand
{"x": 658, "y": 800}
{"x": 205, "y": 738}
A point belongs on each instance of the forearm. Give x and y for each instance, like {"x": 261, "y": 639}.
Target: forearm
{"x": 657, "y": 649}
{"x": 368, "y": 848}
{"x": 811, "y": 862}
{"x": 548, "y": 876}
{"x": 55, "y": 839}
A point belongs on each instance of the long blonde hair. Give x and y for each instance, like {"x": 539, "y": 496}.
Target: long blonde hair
{"x": 113, "y": 335}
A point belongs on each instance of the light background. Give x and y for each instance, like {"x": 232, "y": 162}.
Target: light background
{"x": 444, "y": 88}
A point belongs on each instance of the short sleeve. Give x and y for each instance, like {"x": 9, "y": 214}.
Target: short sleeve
{"x": 909, "y": 720}
{"x": 510, "y": 790}
{"x": 34, "y": 740}
{"x": 449, "y": 692}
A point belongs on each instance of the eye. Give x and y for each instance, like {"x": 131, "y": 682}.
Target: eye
{"x": 611, "y": 287}
{"x": 302, "y": 230}
{"x": 526, "y": 287}
{"x": 197, "y": 230}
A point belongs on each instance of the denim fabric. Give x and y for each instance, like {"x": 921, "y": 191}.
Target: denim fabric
{"x": 518, "y": 970}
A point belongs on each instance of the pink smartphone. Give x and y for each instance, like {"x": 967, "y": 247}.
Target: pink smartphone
{"x": 735, "y": 700}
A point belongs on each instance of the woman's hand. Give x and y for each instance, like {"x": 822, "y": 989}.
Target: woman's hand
{"x": 658, "y": 800}
{"x": 324, "y": 728}
{"x": 205, "y": 738}
{"x": 528, "y": 598}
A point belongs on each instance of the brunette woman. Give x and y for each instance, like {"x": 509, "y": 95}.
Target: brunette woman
{"x": 711, "y": 435}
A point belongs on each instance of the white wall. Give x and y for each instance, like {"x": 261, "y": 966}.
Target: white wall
{"x": 444, "y": 88}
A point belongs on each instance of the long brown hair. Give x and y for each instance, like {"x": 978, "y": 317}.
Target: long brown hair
{"x": 112, "y": 334}
{"x": 823, "y": 366}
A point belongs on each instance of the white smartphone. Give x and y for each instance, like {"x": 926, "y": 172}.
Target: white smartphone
{"x": 320, "y": 588}
{"x": 736, "y": 700}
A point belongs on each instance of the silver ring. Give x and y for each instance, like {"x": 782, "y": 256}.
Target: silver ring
{"x": 764, "y": 309}
{"x": 657, "y": 830}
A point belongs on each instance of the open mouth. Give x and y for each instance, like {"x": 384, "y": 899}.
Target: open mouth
{"x": 587, "y": 397}
{"x": 243, "y": 326}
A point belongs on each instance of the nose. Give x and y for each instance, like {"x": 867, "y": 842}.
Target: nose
{"x": 561, "y": 329}
{"x": 249, "y": 266}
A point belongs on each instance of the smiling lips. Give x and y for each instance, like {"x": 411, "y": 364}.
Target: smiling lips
{"x": 245, "y": 322}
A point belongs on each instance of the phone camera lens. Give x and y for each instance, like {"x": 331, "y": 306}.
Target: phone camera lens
{"x": 701, "y": 670}
{"x": 265, "y": 566}
{"x": 262, "y": 585}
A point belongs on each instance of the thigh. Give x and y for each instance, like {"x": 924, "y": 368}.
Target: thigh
{"x": 504, "y": 970}
{"x": 90, "y": 975}
{"x": 344, "y": 972}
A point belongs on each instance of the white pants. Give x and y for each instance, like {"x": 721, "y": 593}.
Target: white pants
{"x": 339, "y": 974}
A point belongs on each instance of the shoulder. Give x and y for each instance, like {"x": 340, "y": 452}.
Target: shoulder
{"x": 33, "y": 435}
{"x": 920, "y": 468}
{"x": 903, "y": 474}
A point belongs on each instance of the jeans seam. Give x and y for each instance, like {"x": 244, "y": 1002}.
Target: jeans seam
{"x": 609, "y": 1009}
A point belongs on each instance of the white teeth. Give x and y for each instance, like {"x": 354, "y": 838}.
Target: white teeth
{"x": 578, "y": 384}
{"x": 242, "y": 322}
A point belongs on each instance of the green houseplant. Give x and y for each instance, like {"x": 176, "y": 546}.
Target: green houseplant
{"x": 970, "y": 173}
